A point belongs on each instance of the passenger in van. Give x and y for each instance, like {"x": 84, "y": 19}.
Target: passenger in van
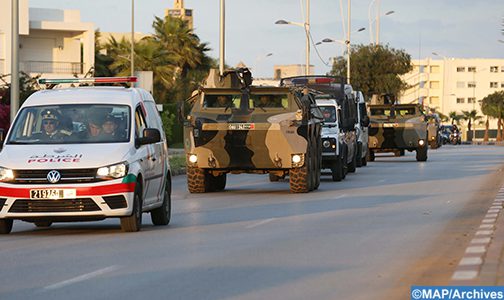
{"x": 49, "y": 129}
{"x": 94, "y": 127}
{"x": 109, "y": 129}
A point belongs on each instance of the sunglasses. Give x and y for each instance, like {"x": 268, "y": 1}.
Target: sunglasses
{"x": 49, "y": 122}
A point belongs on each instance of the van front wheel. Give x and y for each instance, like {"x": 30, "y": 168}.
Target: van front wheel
{"x": 134, "y": 222}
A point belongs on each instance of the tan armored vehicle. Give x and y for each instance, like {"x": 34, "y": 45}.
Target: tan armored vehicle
{"x": 397, "y": 128}
{"x": 233, "y": 127}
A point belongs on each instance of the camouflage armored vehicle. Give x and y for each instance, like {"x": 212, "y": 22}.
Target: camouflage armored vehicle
{"x": 339, "y": 135}
{"x": 397, "y": 128}
{"x": 233, "y": 127}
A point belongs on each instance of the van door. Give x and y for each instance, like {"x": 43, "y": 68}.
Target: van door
{"x": 159, "y": 157}
{"x": 146, "y": 157}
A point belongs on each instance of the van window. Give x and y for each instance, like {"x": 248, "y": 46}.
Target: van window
{"x": 140, "y": 123}
{"x": 71, "y": 124}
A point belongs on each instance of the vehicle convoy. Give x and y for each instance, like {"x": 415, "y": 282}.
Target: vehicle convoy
{"x": 339, "y": 135}
{"x": 361, "y": 126}
{"x": 434, "y": 130}
{"x": 84, "y": 154}
{"x": 234, "y": 127}
{"x": 396, "y": 128}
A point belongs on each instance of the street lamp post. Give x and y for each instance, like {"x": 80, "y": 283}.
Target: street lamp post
{"x": 306, "y": 26}
{"x": 347, "y": 43}
{"x": 14, "y": 88}
{"x": 132, "y": 61}
{"x": 222, "y": 43}
{"x": 377, "y": 20}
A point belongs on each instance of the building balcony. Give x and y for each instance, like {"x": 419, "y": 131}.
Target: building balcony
{"x": 51, "y": 67}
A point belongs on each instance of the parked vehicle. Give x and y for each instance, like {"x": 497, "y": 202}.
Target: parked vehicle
{"x": 434, "y": 130}
{"x": 83, "y": 154}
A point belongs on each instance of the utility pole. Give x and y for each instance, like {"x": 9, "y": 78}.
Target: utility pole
{"x": 307, "y": 29}
{"x": 347, "y": 42}
{"x": 132, "y": 60}
{"x": 14, "y": 88}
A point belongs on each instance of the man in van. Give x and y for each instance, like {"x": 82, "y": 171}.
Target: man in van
{"x": 49, "y": 127}
{"x": 109, "y": 129}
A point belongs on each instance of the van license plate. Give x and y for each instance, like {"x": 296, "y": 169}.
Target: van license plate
{"x": 53, "y": 194}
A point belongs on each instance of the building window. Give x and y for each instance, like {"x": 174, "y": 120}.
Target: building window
{"x": 460, "y": 84}
{"x": 502, "y": 69}
{"x": 434, "y": 69}
{"x": 494, "y": 69}
{"x": 434, "y": 84}
{"x": 471, "y": 84}
{"x": 434, "y": 100}
{"x": 502, "y": 84}
{"x": 471, "y": 100}
{"x": 460, "y": 69}
{"x": 471, "y": 69}
{"x": 460, "y": 100}
{"x": 494, "y": 85}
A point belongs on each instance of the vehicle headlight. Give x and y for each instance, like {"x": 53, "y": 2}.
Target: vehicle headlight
{"x": 193, "y": 158}
{"x": 421, "y": 142}
{"x": 112, "y": 172}
{"x": 6, "y": 175}
{"x": 326, "y": 144}
{"x": 297, "y": 160}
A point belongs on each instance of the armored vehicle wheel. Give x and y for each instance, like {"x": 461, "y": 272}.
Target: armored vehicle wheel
{"x": 371, "y": 156}
{"x": 359, "y": 155}
{"x": 217, "y": 183}
{"x": 421, "y": 153}
{"x": 5, "y": 226}
{"x": 301, "y": 179}
{"x": 161, "y": 215}
{"x": 402, "y": 152}
{"x": 196, "y": 180}
{"x": 43, "y": 224}
{"x": 134, "y": 222}
{"x": 273, "y": 177}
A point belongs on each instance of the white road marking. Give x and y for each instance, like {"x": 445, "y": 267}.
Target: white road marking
{"x": 81, "y": 278}
{"x": 492, "y": 220}
{"x": 471, "y": 261}
{"x": 486, "y": 226}
{"x": 481, "y": 240}
{"x": 484, "y": 232}
{"x": 464, "y": 275}
{"x": 476, "y": 250}
{"x": 493, "y": 211}
{"x": 260, "y": 223}
{"x": 491, "y": 216}
{"x": 496, "y": 207}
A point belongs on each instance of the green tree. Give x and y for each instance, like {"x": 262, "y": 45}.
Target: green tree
{"x": 493, "y": 106}
{"x": 375, "y": 69}
{"x": 102, "y": 60}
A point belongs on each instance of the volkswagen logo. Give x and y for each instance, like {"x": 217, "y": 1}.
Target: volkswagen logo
{"x": 53, "y": 176}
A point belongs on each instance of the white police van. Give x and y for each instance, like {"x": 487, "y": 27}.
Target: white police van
{"x": 84, "y": 154}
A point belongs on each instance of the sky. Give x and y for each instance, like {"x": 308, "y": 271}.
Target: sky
{"x": 451, "y": 28}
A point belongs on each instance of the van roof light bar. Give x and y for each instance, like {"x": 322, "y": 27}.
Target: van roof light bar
{"x": 95, "y": 80}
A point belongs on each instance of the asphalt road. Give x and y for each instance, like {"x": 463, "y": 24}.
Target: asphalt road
{"x": 394, "y": 223}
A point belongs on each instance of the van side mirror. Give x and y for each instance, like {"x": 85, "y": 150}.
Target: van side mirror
{"x": 151, "y": 136}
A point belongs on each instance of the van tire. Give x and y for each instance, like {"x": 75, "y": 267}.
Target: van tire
{"x": 133, "y": 223}
{"x": 337, "y": 169}
{"x": 196, "y": 180}
{"x": 359, "y": 155}
{"x": 161, "y": 216}
{"x": 353, "y": 165}
{"x": 5, "y": 226}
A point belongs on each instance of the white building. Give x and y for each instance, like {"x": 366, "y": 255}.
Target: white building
{"x": 454, "y": 84}
{"x": 51, "y": 42}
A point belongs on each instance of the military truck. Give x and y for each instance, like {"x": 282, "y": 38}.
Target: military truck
{"x": 234, "y": 127}
{"x": 339, "y": 134}
{"x": 396, "y": 128}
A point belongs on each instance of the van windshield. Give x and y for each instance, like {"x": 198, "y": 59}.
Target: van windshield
{"x": 71, "y": 124}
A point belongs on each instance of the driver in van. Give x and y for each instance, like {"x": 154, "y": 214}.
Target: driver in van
{"x": 49, "y": 128}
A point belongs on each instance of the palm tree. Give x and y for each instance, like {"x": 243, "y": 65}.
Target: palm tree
{"x": 493, "y": 106}
{"x": 455, "y": 117}
{"x": 471, "y": 117}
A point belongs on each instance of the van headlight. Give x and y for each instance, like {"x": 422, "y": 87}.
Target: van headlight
{"x": 6, "y": 175}
{"x": 112, "y": 172}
